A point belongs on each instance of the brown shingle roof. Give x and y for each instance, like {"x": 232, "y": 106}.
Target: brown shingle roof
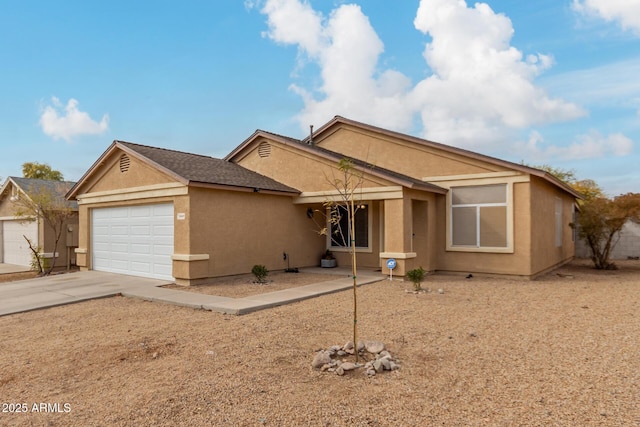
{"x": 32, "y": 187}
{"x": 194, "y": 168}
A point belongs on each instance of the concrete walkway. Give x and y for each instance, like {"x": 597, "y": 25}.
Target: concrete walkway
{"x": 51, "y": 291}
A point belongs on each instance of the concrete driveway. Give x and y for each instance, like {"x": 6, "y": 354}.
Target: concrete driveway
{"x": 51, "y": 291}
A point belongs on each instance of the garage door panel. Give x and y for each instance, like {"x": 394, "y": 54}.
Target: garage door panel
{"x": 141, "y": 249}
{"x": 15, "y": 247}
{"x": 135, "y": 240}
{"x": 162, "y": 230}
{"x": 163, "y": 250}
{"x": 140, "y": 230}
{"x": 140, "y": 267}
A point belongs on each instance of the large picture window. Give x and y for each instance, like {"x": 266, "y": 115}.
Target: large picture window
{"x": 339, "y": 226}
{"x": 479, "y": 216}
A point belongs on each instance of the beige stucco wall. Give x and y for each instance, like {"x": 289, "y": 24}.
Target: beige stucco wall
{"x": 402, "y": 156}
{"x": 64, "y": 254}
{"x": 241, "y": 229}
{"x": 410, "y": 232}
{"x": 108, "y": 176}
{"x": 547, "y": 255}
{"x": 296, "y": 168}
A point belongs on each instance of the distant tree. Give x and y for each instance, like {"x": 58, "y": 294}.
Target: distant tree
{"x": 566, "y": 175}
{"x": 600, "y": 221}
{"x": 587, "y": 187}
{"x": 46, "y": 202}
{"x": 40, "y": 171}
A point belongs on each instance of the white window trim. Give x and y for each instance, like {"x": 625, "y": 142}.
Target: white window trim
{"x": 369, "y": 248}
{"x": 559, "y": 234}
{"x": 507, "y": 249}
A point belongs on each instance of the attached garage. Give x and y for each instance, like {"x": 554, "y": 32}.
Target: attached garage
{"x": 133, "y": 240}
{"x": 15, "y": 248}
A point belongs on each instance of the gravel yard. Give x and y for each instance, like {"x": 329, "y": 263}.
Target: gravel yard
{"x": 562, "y": 350}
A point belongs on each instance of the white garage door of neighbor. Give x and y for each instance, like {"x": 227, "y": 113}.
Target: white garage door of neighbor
{"x": 134, "y": 240}
{"x": 15, "y": 248}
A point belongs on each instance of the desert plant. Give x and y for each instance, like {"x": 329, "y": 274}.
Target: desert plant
{"x": 328, "y": 255}
{"x": 600, "y": 221}
{"x": 416, "y": 276}
{"x": 261, "y": 273}
{"x": 37, "y": 261}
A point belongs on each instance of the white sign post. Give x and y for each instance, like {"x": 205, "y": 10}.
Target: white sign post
{"x": 391, "y": 264}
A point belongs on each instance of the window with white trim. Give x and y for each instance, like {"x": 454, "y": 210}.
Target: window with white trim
{"x": 479, "y": 216}
{"x": 340, "y": 231}
{"x": 558, "y": 221}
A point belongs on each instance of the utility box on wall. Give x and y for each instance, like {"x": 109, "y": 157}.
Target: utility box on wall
{"x": 72, "y": 242}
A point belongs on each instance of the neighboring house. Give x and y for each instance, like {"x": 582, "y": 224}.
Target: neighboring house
{"x": 628, "y": 245}
{"x": 167, "y": 214}
{"x": 15, "y": 249}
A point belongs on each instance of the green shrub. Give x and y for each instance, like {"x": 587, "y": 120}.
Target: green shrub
{"x": 261, "y": 272}
{"x": 416, "y": 276}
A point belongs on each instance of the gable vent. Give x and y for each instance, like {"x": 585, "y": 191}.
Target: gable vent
{"x": 264, "y": 149}
{"x": 125, "y": 162}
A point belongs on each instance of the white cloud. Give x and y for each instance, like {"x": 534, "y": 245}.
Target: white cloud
{"x": 71, "y": 122}
{"x": 481, "y": 86}
{"x": 480, "y": 89}
{"x": 346, "y": 48}
{"x": 592, "y": 145}
{"x": 625, "y": 12}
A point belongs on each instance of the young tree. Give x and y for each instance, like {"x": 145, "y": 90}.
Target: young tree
{"x": 37, "y": 170}
{"x": 45, "y": 201}
{"x": 600, "y": 221}
{"x": 341, "y": 214}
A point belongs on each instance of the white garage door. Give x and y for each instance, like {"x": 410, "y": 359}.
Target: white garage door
{"x": 134, "y": 240}
{"x": 14, "y": 246}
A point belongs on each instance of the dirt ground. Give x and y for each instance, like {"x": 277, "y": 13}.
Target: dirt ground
{"x": 558, "y": 351}
{"x": 245, "y": 285}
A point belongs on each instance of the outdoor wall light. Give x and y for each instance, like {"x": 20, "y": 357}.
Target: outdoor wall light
{"x": 310, "y": 213}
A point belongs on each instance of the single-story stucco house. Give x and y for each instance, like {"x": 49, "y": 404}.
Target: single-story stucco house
{"x": 13, "y": 229}
{"x": 185, "y": 217}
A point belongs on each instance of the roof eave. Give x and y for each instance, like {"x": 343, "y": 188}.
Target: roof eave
{"x": 245, "y": 189}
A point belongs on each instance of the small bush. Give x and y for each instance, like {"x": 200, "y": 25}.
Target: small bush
{"x": 416, "y": 276}
{"x": 261, "y": 273}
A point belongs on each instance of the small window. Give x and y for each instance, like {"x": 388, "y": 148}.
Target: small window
{"x": 558, "y": 222}
{"x": 125, "y": 162}
{"x": 479, "y": 216}
{"x": 339, "y": 226}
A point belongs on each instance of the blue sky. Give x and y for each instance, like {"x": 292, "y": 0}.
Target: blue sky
{"x": 545, "y": 82}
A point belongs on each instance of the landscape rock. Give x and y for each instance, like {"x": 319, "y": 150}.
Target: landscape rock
{"x": 321, "y": 358}
{"x": 373, "y": 358}
{"x": 348, "y": 366}
{"x": 374, "y": 347}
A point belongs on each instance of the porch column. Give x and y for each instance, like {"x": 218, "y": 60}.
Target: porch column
{"x": 397, "y": 235}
